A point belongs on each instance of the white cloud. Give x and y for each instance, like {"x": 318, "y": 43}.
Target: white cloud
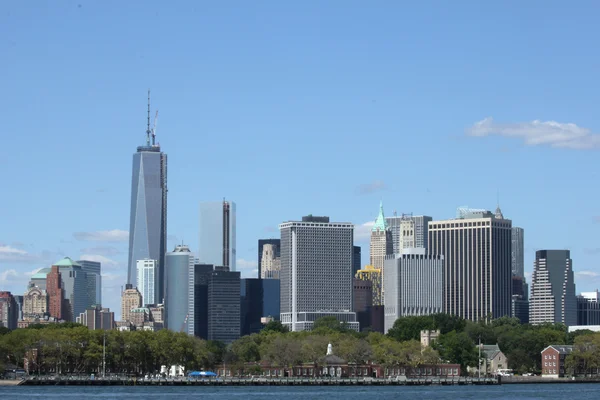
{"x": 102, "y": 250}
{"x": 105, "y": 261}
{"x": 586, "y": 274}
{"x": 363, "y": 232}
{"x": 14, "y": 255}
{"x": 115, "y": 235}
{"x": 247, "y": 268}
{"x": 15, "y": 281}
{"x": 367, "y": 188}
{"x": 538, "y": 133}
{"x": 8, "y": 275}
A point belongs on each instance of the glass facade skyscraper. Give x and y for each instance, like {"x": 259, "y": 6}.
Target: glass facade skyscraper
{"x": 148, "y": 220}
{"x": 217, "y": 234}
{"x": 179, "y": 289}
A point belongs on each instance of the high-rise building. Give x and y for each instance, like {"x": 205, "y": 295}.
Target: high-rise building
{"x": 275, "y": 245}
{"x": 356, "y": 260}
{"x": 199, "y": 307}
{"x": 39, "y": 278}
{"x": 57, "y": 304}
{"x": 74, "y": 285}
{"x": 35, "y": 303}
{"x": 217, "y": 234}
{"x": 224, "y": 305}
{"x": 477, "y": 263}
{"x": 588, "y": 308}
{"x": 8, "y": 311}
{"x": 19, "y": 302}
{"x": 146, "y": 280}
{"x": 408, "y": 231}
{"x": 179, "y": 293}
{"x": 251, "y": 306}
{"x": 271, "y": 298}
{"x": 363, "y": 302}
{"x": 93, "y": 272}
{"x": 553, "y": 296}
{"x": 517, "y": 252}
{"x": 97, "y": 317}
{"x": 373, "y": 275}
{"x": 148, "y": 218}
{"x": 270, "y": 262}
{"x": 413, "y": 285}
{"x": 381, "y": 241}
{"x": 131, "y": 298}
{"x": 316, "y": 272}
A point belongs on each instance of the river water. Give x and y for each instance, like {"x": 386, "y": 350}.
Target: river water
{"x": 508, "y": 392}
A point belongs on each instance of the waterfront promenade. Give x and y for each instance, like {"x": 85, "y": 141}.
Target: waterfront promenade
{"x": 262, "y": 381}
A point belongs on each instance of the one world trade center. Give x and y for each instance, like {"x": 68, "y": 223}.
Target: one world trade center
{"x": 148, "y": 220}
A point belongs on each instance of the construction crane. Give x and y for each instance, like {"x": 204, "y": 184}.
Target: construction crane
{"x": 154, "y": 128}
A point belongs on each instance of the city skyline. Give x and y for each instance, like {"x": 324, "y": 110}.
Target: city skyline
{"x": 322, "y": 92}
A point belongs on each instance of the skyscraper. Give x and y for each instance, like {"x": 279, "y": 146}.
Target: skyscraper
{"x": 179, "y": 275}
{"x": 373, "y": 275}
{"x": 517, "y": 252}
{"x": 8, "y": 311}
{"x": 93, "y": 272}
{"x": 217, "y": 234}
{"x": 131, "y": 298}
{"x": 477, "y": 263}
{"x": 224, "y": 305}
{"x": 270, "y": 262}
{"x": 413, "y": 285}
{"x": 553, "y": 296}
{"x": 148, "y": 219}
{"x": 146, "y": 280}
{"x": 408, "y": 231}
{"x": 381, "y": 241}
{"x": 74, "y": 285}
{"x": 56, "y": 303}
{"x": 275, "y": 246}
{"x": 356, "y": 260}
{"x": 199, "y": 307}
{"x": 316, "y": 272}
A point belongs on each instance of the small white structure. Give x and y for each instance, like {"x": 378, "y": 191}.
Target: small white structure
{"x": 173, "y": 371}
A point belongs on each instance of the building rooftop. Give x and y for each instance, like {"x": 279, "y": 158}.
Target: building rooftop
{"x": 380, "y": 222}
{"x": 561, "y": 348}
{"x": 41, "y": 274}
{"x": 66, "y": 262}
{"x": 490, "y": 350}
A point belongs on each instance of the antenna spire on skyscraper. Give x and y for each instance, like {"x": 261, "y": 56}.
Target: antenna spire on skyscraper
{"x": 148, "y": 128}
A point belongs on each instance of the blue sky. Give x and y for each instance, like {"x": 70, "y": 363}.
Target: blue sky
{"x": 290, "y": 108}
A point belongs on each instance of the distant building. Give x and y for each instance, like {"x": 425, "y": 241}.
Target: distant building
{"x": 271, "y": 298}
{"x": 146, "y": 280}
{"x": 356, "y": 260}
{"x": 270, "y": 262}
{"x": 93, "y": 272}
{"x": 588, "y": 308}
{"x": 476, "y": 246}
{"x": 363, "y": 302}
{"x": 493, "y": 359}
{"x": 57, "y": 304}
{"x": 553, "y": 360}
{"x": 517, "y": 252}
{"x": 130, "y": 298}
{"x": 224, "y": 305}
{"x": 316, "y": 274}
{"x": 553, "y": 296}
{"x": 179, "y": 274}
{"x": 35, "y": 303}
{"x": 199, "y": 307}
{"x": 409, "y": 231}
{"x": 520, "y": 309}
{"x": 381, "y": 241}
{"x": 157, "y": 313}
{"x": 8, "y": 311}
{"x": 139, "y": 317}
{"x": 373, "y": 275}
{"x": 428, "y": 337}
{"x": 74, "y": 285}
{"x": 251, "y": 307}
{"x": 39, "y": 278}
{"x": 19, "y": 302}
{"x": 97, "y": 317}
{"x": 413, "y": 285}
{"x": 217, "y": 236}
{"x": 275, "y": 246}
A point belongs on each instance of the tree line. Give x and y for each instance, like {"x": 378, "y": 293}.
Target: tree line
{"x": 73, "y": 349}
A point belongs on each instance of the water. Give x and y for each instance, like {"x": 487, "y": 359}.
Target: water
{"x": 509, "y": 392}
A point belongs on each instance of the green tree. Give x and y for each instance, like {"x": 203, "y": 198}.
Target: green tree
{"x": 457, "y": 348}
{"x": 275, "y": 326}
{"x": 327, "y": 324}
{"x": 409, "y": 328}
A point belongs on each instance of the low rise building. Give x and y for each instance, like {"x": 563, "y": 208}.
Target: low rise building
{"x": 553, "y": 360}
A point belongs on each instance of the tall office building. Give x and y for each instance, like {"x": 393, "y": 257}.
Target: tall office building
{"x": 93, "y": 272}
{"x": 146, "y": 280}
{"x": 413, "y": 285}
{"x": 217, "y": 234}
{"x": 74, "y": 285}
{"x": 224, "y": 305}
{"x": 251, "y": 306}
{"x": 199, "y": 307}
{"x": 316, "y": 272}
{"x": 477, "y": 263}
{"x": 131, "y": 298}
{"x": 408, "y": 231}
{"x": 362, "y": 302}
{"x": 373, "y": 275}
{"x": 356, "y": 260}
{"x": 517, "y": 252}
{"x": 148, "y": 219}
{"x": 8, "y": 311}
{"x": 56, "y": 299}
{"x": 588, "y": 308}
{"x": 275, "y": 247}
{"x": 270, "y": 262}
{"x": 381, "y": 241}
{"x": 553, "y": 296}
{"x": 271, "y": 299}
{"x": 179, "y": 289}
